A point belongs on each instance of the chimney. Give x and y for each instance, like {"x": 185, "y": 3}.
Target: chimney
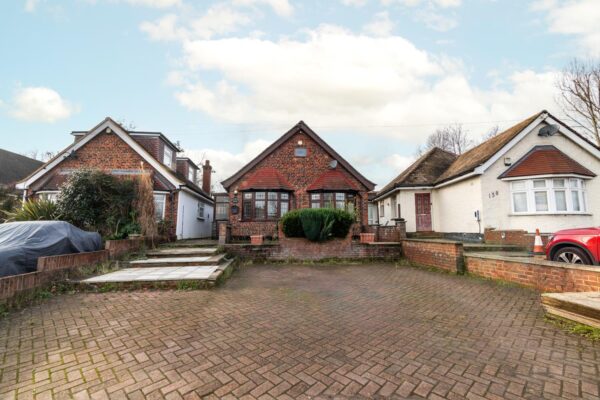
{"x": 206, "y": 173}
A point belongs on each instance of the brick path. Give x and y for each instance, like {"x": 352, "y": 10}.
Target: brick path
{"x": 299, "y": 331}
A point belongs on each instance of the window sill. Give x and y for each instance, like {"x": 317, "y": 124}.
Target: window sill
{"x": 549, "y": 214}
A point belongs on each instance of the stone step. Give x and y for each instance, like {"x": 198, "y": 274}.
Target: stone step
{"x": 192, "y": 243}
{"x": 582, "y": 307}
{"x": 178, "y": 261}
{"x": 189, "y": 277}
{"x": 181, "y": 252}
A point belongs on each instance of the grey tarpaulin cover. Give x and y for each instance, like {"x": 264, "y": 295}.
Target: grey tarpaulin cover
{"x": 21, "y": 243}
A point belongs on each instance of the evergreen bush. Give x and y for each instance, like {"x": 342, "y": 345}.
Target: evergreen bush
{"x": 317, "y": 224}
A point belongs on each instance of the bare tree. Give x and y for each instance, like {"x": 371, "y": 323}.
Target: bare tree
{"x": 41, "y": 156}
{"x": 579, "y": 85}
{"x": 494, "y": 131}
{"x": 452, "y": 138}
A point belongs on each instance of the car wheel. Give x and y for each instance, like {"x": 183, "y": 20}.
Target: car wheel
{"x": 571, "y": 255}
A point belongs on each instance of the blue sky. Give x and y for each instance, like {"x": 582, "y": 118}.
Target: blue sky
{"x": 226, "y": 78}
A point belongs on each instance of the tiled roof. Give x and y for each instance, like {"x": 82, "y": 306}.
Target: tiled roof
{"x": 545, "y": 160}
{"x": 473, "y": 158}
{"x": 332, "y": 179}
{"x": 423, "y": 172}
{"x": 14, "y": 167}
{"x": 266, "y": 178}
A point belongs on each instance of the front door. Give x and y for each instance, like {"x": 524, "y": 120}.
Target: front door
{"x": 423, "y": 211}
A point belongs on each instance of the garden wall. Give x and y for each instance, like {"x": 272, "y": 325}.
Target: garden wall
{"x": 303, "y": 249}
{"x": 546, "y": 276}
{"x": 439, "y": 253}
{"x": 516, "y": 237}
{"x": 117, "y": 248}
{"x": 52, "y": 263}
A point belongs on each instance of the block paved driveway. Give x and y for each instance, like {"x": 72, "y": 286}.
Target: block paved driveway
{"x": 338, "y": 331}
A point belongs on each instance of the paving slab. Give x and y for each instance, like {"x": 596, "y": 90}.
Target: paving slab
{"x": 155, "y": 274}
{"x": 582, "y": 307}
{"x": 178, "y": 261}
{"x": 181, "y": 252}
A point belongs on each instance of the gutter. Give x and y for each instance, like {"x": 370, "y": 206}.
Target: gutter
{"x": 400, "y": 188}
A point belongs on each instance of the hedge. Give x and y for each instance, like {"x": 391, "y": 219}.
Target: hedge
{"x": 317, "y": 224}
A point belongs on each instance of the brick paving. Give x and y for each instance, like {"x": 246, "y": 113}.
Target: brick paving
{"x": 339, "y": 331}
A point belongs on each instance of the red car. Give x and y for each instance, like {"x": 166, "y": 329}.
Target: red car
{"x": 575, "y": 246}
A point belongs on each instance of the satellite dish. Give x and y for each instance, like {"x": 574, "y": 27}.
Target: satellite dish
{"x": 548, "y": 130}
{"x": 333, "y": 164}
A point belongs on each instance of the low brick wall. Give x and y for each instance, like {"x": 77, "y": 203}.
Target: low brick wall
{"x": 516, "y": 237}
{"x": 117, "y": 248}
{"x": 52, "y": 263}
{"x": 546, "y": 276}
{"x": 438, "y": 253}
{"x": 50, "y": 269}
{"x": 302, "y": 249}
{"x": 391, "y": 233}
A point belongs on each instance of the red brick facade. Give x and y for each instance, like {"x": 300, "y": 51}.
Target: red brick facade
{"x": 300, "y": 173}
{"x": 108, "y": 152}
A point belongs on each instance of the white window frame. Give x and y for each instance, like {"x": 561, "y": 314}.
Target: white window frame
{"x": 569, "y": 188}
{"x": 168, "y": 160}
{"x": 163, "y": 199}
{"x": 48, "y": 195}
{"x": 191, "y": 174}
{"x": 200, "y": 211}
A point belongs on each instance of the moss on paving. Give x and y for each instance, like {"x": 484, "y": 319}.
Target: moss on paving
{"x": 575, "y": 328}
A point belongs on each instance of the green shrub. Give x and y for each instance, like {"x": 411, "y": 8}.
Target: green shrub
{"x": 93, "y": 200}
{"x": 317, "y": 224}
{"x": 291, "y": 224}
{"x": 34, "y": 210}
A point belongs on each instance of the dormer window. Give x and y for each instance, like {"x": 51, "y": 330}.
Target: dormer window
{"x": 168, "y": 157}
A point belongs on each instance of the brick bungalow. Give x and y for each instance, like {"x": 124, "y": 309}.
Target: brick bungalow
{"x": 539, "y": 173}
{"x": 111, "y": 148}
{"x": 299, "y": 170}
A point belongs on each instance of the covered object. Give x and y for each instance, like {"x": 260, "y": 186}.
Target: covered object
{"x": 22, "y": 243}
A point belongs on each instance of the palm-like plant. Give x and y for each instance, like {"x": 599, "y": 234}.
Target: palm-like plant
{"x": 34, "y": 210}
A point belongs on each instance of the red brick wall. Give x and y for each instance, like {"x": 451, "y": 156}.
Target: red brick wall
{"x": 302, "y": 249}
{"x": 515, "y": 237}
{"x": 151, "y": 144}
{"x": 543, "y": 275}
{"x": 392, "y": 233}
{"x": 300, "y": 172}
{"x": 63, "y": 261}
{"x": 447, "y": 255}
{"x": 117, "y": 248}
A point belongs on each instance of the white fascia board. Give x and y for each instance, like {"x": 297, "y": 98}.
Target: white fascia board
{"x": 477, "y": 172}
{"x": 198, "y": 195}
{"x": 107, "y": 123}
{"x": 398, "y": 189}
{"x": 483, "y": 167}
{"x": 546, "y": 176}
{"x": 575, "y": 138}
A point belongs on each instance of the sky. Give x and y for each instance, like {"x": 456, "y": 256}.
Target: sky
{"x": 226, "y": 78}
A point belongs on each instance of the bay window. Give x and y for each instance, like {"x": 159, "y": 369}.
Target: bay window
{"x": 263, "y": 206}
{"x": 548, "y": 196}
{"x": 340, "y": 201}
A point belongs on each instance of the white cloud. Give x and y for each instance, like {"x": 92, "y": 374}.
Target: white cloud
{"x": 430, "y": 3}
{"x": 281, "y": 7}
{"x": 397, "y": 162}
{"x": 381, "y": 25}
{"x": 578, "y": 18}
{"x": 154, "y": 3}
{"x": 227, "y": 163}
{"x": 339, "y": 79}
{"x": 30, "y": 5}
{"x": 437, "y": 21}
{"x": 40, "y": 104}
{"x": 164, "y": 28}
{"x": 355, "y": 3}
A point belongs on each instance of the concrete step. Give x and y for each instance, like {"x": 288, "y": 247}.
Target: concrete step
{"x": 181, "y": 252}
{"x": 179, "y": 261}
{"x": 192, "y": 243}
{"x": 582, "y": 307}
{"x": 424, "y": 235}
{"x": 191, "y": 277}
